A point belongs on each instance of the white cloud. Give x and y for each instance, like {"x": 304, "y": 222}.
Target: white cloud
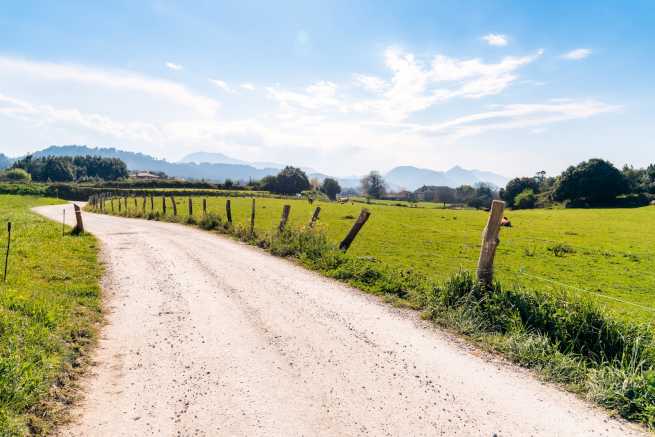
{"x": 114, "y": 79}
{"x": 370, "y": 83}
{"x": 222, "y": 85}
{"x": 495, "y": 39}
{"x": 577, "y": 54}
{"x": 318, "y": 95}
{"x": 173, "y": 66}
{"x": 247, "y": 86}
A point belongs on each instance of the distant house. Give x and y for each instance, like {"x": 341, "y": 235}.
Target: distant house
{"x": 146, "y": 175}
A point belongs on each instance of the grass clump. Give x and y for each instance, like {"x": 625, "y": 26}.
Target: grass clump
{"x": 48, "y": 310}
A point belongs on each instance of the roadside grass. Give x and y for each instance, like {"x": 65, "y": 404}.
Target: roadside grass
{"x": 604, "y": 254}
{"x": 49, "y": 308}
{"x": 566, "y": 338}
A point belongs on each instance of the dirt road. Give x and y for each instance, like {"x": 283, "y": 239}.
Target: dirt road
{"x": 209, "y": 337}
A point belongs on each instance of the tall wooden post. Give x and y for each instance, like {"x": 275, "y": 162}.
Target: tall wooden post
{"x": 252, "y": 218}
{"x": 317, "y": 211}
{"x": 145, "y": 202}
{"x": 120, "y": 205}
{"x": 357, "y": 226}
{"x": 190, "y": 207}
{"x": 228, "y": 211}
{"x": 174, "y": 205}
{"x": 79, "y": 226}
{"x": 152, "y": 202}
{"x": 285, "y": 217}
{"x": 112, "y": 204}
{"x": 490, "y": 242}
{"x": 204, "y": 206}
{"x": 163, "y": 204}
{"x": 136, "y": 205}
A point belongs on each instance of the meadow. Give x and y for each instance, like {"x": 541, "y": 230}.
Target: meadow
{"x": 604, "y": 254}
{"x": 49, "y": 307}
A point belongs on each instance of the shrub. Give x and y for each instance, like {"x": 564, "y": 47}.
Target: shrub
{"x": 16, "y": 175}
{"x": 526, "y": 199}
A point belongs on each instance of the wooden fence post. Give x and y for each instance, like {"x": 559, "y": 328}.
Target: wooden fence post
{"x": 357, "y": 226}
{"x": 252, "y": 218}
{"x": 136, "y": 205}
{"x": 145, "y": 202}
{"x": 8, "y": 247}
{"x": 317, "y": 211}
{"x": 79, "y": 226}
{"x": 152, "y": 202}
{"x": 204, "y": 206}
{"x": 112, "y": 204}
{"x": 120, "y": 205}
{"x": 174, "y": 205}
{"x": 489, "y": 243}
{"x": 190, "y": 207}
{"x": 285, "y": 216}
{"x": 228, "y": 211}
{"x": 163, "y": 204}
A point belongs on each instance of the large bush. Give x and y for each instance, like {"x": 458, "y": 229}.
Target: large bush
{"x": 526, "y": 199}
{"x": 595, "y": 181}
{"x": 15, "y": 175}
{"x": 517, "y": 186}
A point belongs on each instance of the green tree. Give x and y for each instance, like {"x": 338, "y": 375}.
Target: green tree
{"x": 331, "y": 188}
{"x": 373, "y": 185}
{"x": 518, "y": 185}
{"x": 16, "y": 175}
{"x": 526, "y": 199}
{"x": 594, "y": 181}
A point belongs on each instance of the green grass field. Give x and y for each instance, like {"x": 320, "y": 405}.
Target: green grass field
{"x": 48, "y": 310}
{"x": 605, "y": 254}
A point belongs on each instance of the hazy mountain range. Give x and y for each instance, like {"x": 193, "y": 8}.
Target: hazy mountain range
{"x": 218, "y": 167}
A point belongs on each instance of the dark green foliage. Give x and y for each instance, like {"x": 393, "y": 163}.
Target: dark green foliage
{"x": 595, "y": 181}
{"x": 517, "y": 186}
{"x": 290, "y": 180}
{"x": 15, "y": 175}
{"x": 210, "y": 221}
{"x": 373, "y": 185}
{"x": 66, "y": 168}
{"x": 331, "y": 188}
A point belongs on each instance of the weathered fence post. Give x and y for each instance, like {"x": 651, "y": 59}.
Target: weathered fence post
{"x": 285, "y": 216}
{"x": 8, "y": 247}
{"x": 112, "y": 204}
{"x": 163, "y": 204}
{"x": 357, "y": 226}
{"x": 228, "y": 211}
{"x": 489, "y": 243}
{"x": 79, "y": 226}
{"x": 174, "y": 205}
{"x": 317, "y": 211}
{"x": 204, "y": 206}
{"x": 152, "y": 202}
{"x": 190, "y": 207}
{"x": 136, "y": 205}
{"x": 145, "y": 202}
{"x": 127, "y": 209}
{"x": 252, "y": 218}
{"x": 120, "y": 205}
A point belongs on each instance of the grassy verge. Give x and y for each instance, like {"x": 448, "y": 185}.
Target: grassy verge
{"x": 49, "y": 308}
{"x": 566, "y": 339}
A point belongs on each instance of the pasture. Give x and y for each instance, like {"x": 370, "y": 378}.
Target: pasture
{"x": 607, "y": 255}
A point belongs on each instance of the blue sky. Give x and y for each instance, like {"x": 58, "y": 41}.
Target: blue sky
{"x": 343, "y": 87}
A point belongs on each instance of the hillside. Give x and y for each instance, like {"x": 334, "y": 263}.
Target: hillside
{"x": 411, "y": 178}
{"x": 5, "y": 161}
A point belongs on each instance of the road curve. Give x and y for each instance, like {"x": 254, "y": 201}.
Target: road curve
{"x": 209, "y": 337}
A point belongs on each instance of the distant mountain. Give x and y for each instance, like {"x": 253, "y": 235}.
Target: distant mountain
{"x": 5, "y": 161}
{"x": 211, "y": 158}
{"x": 411, "y": 178}
{"x": 139, "y": 161}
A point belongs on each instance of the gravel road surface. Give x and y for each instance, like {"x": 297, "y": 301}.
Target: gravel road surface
{"x": 209, "y": 337}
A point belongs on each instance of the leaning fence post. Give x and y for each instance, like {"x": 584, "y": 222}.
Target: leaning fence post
{"x": 285, "y": 216}
{"x": 204, "y": 206}
{"x": 8, "y": 247}
{"x": 357, "y": 226}
{"x": 79, "y": 227}
{"x": 252, "y": 218}
{"x": 317, "y": 211}
{"x": 489, "y": 243}
{"x": 190, "y": 207}
{"x": 163, "y": 204}
{"x": 228, "y": 211}
{"x": 174, "y": 205}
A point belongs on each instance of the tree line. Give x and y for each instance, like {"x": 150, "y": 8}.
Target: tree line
{"x": 72, "y": 169}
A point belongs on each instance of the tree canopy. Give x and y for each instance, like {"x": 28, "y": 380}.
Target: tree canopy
{"x": 594, "y": 181}
{"x": 373, "y": 185}
{"x": 331, "y": 188}
{"x": 66, "y": 168}
{"x": 291, "y": 180}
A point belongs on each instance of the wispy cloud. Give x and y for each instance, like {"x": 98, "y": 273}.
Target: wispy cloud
{"x": 577, "y": 54}
{"x": 370, "y": 83}
{"x": 115, "y": 79}
{"x": 496, "y": 39}
{"x": 222, "y": 85}
{"x": 173, "y": 66}
{"x": 247, "y": 86}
